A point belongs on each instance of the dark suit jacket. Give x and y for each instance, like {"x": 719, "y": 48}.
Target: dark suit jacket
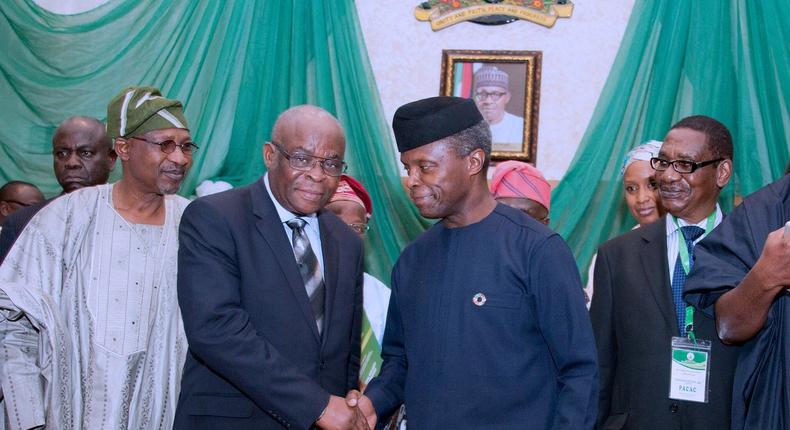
{"x": 633, "y": 318}
{"x": 255, "y": 357}
{"x": 14, "y": 225}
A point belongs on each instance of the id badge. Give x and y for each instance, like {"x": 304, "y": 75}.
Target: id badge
{"x": 690, "y": 370}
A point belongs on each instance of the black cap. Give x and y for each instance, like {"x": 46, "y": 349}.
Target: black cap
{"x": 425, "y": 121}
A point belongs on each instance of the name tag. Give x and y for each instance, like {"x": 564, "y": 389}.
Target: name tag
{"x": 690, "y": 370}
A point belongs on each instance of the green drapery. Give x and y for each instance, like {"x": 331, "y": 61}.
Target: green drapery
{"x": 235, "y": 65}
{"x": 726, "y": 59}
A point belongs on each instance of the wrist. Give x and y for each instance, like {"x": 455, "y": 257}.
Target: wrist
{"x": 322, "y": 414}
{"x": 762, "y": 277}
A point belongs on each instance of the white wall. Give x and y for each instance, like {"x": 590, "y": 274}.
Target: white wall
{"x": 577, "y": 54}
{"x": 406, "y": 57}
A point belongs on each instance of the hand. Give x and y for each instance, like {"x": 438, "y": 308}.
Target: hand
{"x": 339, "y": 415}
{"x": 773, "y": 266}
{"x": 355, "y": 399}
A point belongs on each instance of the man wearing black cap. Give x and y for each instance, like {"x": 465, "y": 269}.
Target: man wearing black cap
{"x": 486, "y": 327}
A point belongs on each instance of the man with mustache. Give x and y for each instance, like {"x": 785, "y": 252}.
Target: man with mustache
{"x": 82, "y": 157}
{"x": 486, "y": 326}
{"x": 637, "y": 307}
{"x": 270, "y": 286}
{"x": 91, "y": 332}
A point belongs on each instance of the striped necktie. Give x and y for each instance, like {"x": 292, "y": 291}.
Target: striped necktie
{"x": 690, "y": 234}
{"x": 309, "y": 269}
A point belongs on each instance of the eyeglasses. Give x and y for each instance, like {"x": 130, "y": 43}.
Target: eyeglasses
{"x": 680, "y": 166}
{"x": 304, "y": 162}
{"x": 17, "y": 202}
{"x": 360, "y": 228}
{"x": 168, "y": 146}
{"x": 494, "y": 96}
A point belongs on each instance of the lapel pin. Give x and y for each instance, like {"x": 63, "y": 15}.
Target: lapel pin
{"x": 479, "y": 299}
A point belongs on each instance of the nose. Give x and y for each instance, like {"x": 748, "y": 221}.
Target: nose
{"x": 316, "y": 172}
{"x": 74, "y": 161}
{"x": 668, "y": 176}
{"x": 412, "y": 179}
{"x": 643, "y": 195}
{"x": 179, "y": 157}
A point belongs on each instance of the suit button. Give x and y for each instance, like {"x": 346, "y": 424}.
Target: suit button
{"x": 322, "y": 365}
{"x": 673, "y": 408}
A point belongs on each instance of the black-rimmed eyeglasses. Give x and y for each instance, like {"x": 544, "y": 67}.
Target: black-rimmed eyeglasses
{"x": 168, "y": 146}
{"x": 17, "y": 202}
{"x": 680, "y": 166}
{"x": 304, "y": 162}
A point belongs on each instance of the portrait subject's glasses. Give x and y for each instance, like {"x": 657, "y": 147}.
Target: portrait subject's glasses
{"x": 168, "y": 146}
{"x": 494, "y": 96}
{"x": 680, "y": 166}
{"x": 304, "y": 162}
{"x": 360, "y": 228}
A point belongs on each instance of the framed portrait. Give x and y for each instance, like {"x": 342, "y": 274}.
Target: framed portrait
{"x": 505, "y": 85}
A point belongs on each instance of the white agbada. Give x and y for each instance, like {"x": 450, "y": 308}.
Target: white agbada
{"x": 91, "y": 335}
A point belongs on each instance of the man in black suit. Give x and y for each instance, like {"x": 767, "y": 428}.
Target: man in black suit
{"x": 637, "y": 308}
{"x": 271, "y": 300}
{"x": 82, "y": 157}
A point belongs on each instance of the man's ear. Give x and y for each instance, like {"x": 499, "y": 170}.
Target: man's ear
{"x": 5, "y": 209}
{"x": 122, "y": 147}
{"x": 268, "y": 155}
{"x": 723, "y": 172}
{"x": 475, "y": 161}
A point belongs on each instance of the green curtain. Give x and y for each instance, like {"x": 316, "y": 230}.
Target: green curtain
{"x": 726, "y": 59}
{"x": 235, "y": 65}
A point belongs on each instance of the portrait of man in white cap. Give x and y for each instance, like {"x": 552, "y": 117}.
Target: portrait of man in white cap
{"x": 492, "y": 94}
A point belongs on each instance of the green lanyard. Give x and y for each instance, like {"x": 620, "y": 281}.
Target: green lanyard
{"x": 686, "y": 262}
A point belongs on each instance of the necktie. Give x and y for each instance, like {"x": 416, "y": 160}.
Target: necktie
{"x": 690, "y": 234}
{"x": 309, "y": 269}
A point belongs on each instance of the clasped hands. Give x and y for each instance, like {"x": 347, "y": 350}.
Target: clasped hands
{"x": 355, "y": 412}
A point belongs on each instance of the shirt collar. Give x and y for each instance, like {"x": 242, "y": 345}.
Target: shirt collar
{"x": 284, "y": 214}
{"x": 672, "y": 227}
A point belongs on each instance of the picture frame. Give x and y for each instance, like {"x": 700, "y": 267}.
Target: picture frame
{"x": 506, "y": 87}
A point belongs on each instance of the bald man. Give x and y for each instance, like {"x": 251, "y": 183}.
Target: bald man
{"x": 16, "y": 195}
{"x": 82, "y": 157}
{"x": 271, "y": 301}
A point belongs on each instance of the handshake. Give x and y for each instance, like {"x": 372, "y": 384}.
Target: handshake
{"x": 355, "y": 412}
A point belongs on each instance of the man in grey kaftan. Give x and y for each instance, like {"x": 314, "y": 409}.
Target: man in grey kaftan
{"x": 91, "y": 335}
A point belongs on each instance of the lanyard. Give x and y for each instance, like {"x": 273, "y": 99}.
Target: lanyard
{"x": 686, "y": 262}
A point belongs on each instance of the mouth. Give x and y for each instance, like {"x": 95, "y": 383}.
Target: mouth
{"x": 421, "y": 199}
{"x": 176, "y": 175}
{"x": 310, "y": 195}
{"x": 74, "y": 179}
{"x": 646, "y": 211}
{"x": 671, "y": 193}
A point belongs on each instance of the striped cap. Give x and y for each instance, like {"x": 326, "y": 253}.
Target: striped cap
{"x": 138, "y": 110}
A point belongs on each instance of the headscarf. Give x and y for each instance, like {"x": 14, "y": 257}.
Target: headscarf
{"x": 351, "y": 190}
{"x": 643, "y": 152}
{"x": 520, "y": 180}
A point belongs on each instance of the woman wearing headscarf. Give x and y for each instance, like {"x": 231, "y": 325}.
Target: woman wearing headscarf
{"x": 641, "y": 194}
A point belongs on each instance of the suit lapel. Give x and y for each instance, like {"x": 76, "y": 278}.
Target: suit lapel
{"x": 273, "y": 232}
{"x": 654, "y": 263}
{"x": 330, "y": 248}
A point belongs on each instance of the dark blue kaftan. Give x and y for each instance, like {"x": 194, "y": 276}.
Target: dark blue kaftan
{"x": 761, "y": 390}
{"x": 522, "y": 358}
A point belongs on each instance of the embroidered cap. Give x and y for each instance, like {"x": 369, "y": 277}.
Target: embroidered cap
{"x": 138, "y": 110}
